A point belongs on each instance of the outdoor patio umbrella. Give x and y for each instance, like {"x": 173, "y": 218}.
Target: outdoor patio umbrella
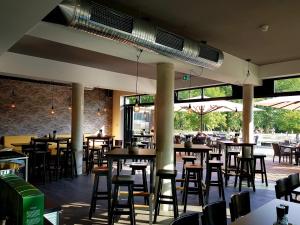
{"x": 285, "y": 102}
{"x": 203, "y": 108}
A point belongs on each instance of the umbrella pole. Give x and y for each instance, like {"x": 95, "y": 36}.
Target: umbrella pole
{"x": 201, "y": 123}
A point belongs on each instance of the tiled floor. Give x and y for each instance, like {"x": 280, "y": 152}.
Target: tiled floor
{"x": 74, "y": 196}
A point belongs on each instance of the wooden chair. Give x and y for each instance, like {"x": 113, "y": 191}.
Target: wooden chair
{"x": 278, "y": 152}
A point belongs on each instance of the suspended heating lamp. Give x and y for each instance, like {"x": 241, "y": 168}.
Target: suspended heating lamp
{"x": 13, "y": 103}
{"x": 137, "y": 106}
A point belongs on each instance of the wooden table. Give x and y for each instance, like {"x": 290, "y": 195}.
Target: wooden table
{"x": 293, "y": 150}
{"x": 105, "y": 138}
{"x": 123, "y": 153}
{"x": 196, "y": 148}
{"x": 266, "y": 214}
{"x": 229, "y": 144}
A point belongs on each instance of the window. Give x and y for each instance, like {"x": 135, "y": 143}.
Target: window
{"x": 187, "y": 94}
{"x": 217, "y": 92}
{"x": 146, "y": 99}
{"x": 287, "y": 85}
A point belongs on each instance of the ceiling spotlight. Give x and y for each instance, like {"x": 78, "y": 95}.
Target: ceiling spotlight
{"x": 264, "y": 27}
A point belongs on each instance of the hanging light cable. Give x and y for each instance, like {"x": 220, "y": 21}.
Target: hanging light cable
{"x": 98, "y": 111}
{"x": 137, "y": 106}
{"x": 190, "y": 110}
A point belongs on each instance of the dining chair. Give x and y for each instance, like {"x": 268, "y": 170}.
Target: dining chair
{"x": 190, "y": 219}
{"x": 282, "y": 188}
{"x": 214, "y": 214}
{"x": 278, "y": 152}
{"x": 239, "y": 205}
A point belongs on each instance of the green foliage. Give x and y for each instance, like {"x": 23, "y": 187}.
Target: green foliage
{"x": 287, "y": 85}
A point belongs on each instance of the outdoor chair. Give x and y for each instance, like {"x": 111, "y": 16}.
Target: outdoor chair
{"x": 278, "y": 152}
{"x": 239, "y": 205}
{"x": 214, "y": 214}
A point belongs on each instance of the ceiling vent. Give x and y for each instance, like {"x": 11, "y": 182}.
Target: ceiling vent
{"x": 101, "y": 20}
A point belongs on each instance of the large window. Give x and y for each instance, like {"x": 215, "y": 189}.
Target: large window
{"x": 192, "y": 93}
{"x": 217, "y": 92}
{"x": 287, "y": 85}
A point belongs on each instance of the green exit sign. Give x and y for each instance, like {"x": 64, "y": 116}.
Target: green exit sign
{"x": 186, "y": 77}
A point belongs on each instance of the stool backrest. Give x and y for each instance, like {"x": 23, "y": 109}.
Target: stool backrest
{"x": 187, "y": 219}
{"x": 294, "y": 181}
{"x": 239, "y": 205}
{"x": 282, "y": 188}
{"x": 214, "y": 214}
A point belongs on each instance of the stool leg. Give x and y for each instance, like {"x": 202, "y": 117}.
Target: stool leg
{"x": 131, "y": 203}
{"x": 265, "y": 172}
{"x": 237, "y": 172}
{"x": 221, "y": 182}
{"x": 156, "y": 212}
{"x": 199, "y": 179}
{"x": 185, "y": 190}
{"x": 146, "y": 198}
{"x": 254, "y": 169}
{"x": 241, "y": 175}
{"x": 261, "y": 170}
{"x": 183, "y": 174}
{"x": 93, "y": 200}
{"x": 175, "y": 205}
{"x": 207, "y": 182}
{"x": 248, "y": 172}
{"x": 251, "y": 176}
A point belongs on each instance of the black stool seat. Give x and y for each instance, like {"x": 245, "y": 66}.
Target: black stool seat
{"x": 138, "y": 165}
{"x": 96, "y": 194}
{"x": 118, "y": 207}
{"x": 245, "y": 170}
{"x": 197, "y": 171}
{"x": 215, "y": 162}
{"x": 216, "y": 155}
{"x": 123, "y": 180}
{"x": 188, "y": 158}
{"x": 262, "y": 171}
{"x": 165, "y": 199}
{"x": 165, "y": 174}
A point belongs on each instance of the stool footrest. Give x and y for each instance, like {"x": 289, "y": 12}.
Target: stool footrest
{"x": 166, "y": 196}
{"x": 165, "y": 202}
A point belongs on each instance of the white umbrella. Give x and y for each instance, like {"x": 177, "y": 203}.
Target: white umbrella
{"x": 202, "y": 108}
{"x": 285, "y": 102}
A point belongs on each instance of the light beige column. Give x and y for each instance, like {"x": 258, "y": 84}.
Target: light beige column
{"x": 248, "y": 122}
{"x": 77, "y": 123}
{"x": 164, "y": 119}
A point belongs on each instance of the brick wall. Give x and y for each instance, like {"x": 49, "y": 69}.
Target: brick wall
{"x": 33, "y": 106}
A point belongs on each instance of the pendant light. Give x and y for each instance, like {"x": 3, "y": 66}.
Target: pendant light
{"x": 52, "y": 106}
{"x": 70, "y": 103}
{"x": 190, "y": 110}
{"x": 13, "y": 103}
{"x": 137, "y": 106}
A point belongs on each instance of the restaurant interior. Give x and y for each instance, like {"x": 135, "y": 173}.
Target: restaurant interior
{"x": 90, "y": 90}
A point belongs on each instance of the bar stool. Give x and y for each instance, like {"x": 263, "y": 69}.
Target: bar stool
{"x": 186, "y": 159}
{"x": 118, "y": 209}
{"x": 197, "y": 170}
{"x": 233, "y": 154}
{"x": 214, "y": 166}
{"x": 99, "y": 195}
{"x": 160, "y": 198}
{"x": 262, "y": 169}
{"x": 215, "y": 155}
{"x": 142, "y": 189}
{"x": 245, "y": 170}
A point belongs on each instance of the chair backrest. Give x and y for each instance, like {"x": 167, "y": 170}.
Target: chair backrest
{"x": 187, "y": 219}
{"x": 282, "y": 188}
{"x": 276, "y": 149}
{"x": 214, "y": 214}
{"x": 239, "y": 205}
{"x": 294, "y": 181}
